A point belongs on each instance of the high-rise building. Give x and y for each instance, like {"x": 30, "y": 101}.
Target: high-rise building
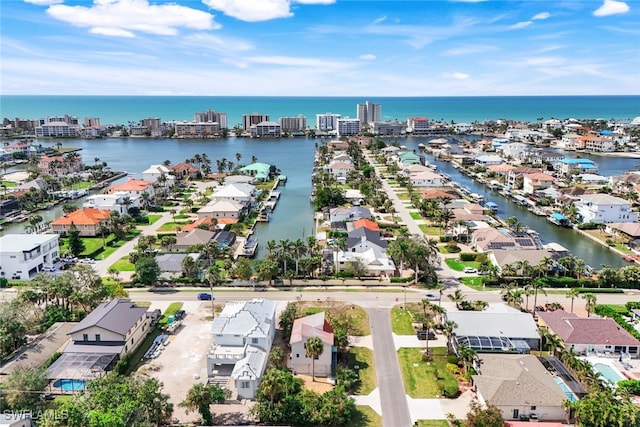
{"x": 369, "y": 113}
{"x": 348, "y": 127}
{"x": 293, "y": 124}
{"x": 249, "y": 120}
{"x": 210, "y": 116}
{"x": 90, "y": 122}
{"x": 327, "y": 121}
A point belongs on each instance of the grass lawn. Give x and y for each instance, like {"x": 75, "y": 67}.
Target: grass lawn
{"x": 363, "y": 358}
{"x": 9, "y": 184}
{"x": 171, "y": 226}
{"x": 123, "y": 264}
{"x": 358, "y": 320}
{"x": 153, "y": 218}
{"x": 424, "y": 380}
{"x": 430, "y": 230}
{"x": 403, "y": 196}
{"x": 365, "y": 417}
{"x": 474, "y": 282}
{"x": 136, "y": 356}
{"x": 170, "y": 311}
{"x": 401, "y": 320}
{"x": 432, "y": 423}
{"x": 457, "y": 265}
{"x": 416, "y": 215}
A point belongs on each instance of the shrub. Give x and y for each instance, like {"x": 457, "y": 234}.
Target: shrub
{"x": 450, "y": 390}
{"x": 468, "y": 256}
{"x": 481, "y": 258}
{"x": 453, "y": 359}
{"x": 453, "y": 368}
{"x": 51, "y": 359}
{"x": 630, "y": 386}
{"x": 4, "y": 282}
{"x": 427, "y": 356}
{"x": 589, "y": 226}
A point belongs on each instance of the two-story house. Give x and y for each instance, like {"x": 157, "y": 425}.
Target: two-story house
{"x": 243, "y": 334}
{"x": 23, "y": 256}
{"x": 304, "y": 328}
{"x": 604, "y": 208}
{"x": 87, "y": 220}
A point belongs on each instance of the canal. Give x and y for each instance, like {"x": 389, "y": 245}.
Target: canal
{"x": 293, "y": 215}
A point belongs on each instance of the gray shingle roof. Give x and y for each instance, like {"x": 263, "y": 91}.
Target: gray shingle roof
{"x": 117, "y": 315}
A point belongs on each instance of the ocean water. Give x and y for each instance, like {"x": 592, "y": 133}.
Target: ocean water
{"x": 125, "y": 109}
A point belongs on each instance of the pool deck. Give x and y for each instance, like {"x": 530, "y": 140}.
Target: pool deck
{"x": 629, "y": 369}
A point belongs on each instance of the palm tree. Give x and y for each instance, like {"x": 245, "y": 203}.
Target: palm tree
{"x": 590, "y": 302}
{"x": 467, "y": 355}
{"x": 200, "y": 398}
{"x": 447, "y": 330}
{"x": 457, "y": 297}
{"x": 313, "y": 349}
{"x": 298, "y": 249}
{"x": 537, "y": 287}
{"x": 572, "y": 294}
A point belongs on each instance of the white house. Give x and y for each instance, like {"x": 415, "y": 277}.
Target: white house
{"x": 348, "y": 214}
{"x": 242, "y": 333}
{"x": 304, "y": 328}
{"x": 538, "y": 181}
{"x": 426, "y": 179}
{"x": 222, "y": 208}
{"x": 120, "y": 201}
{"x": 156, "y": 171}
{"x": 23, "y": 256}
{"x": 241, "y": 193}
{"x": 576, "y": 166}
{"x": 605, "y": 208}
{"x": 487, "y": 160}
{"x": 374, "y": 259}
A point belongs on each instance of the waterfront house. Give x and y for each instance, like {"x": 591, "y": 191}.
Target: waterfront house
{"x": 374, "y": 260}
{"x": 486, "y": 160}
{"x": 259, "y": 171}
{"x": 315, "y": 325}
{"x": 467, "y": 212}
{"x": 576, "y": 166}
{"x": 514, "y": 150}
{"x": 487, "y": 239}
{"x": 171, "y": 264}
{"x": 266, "y": 129}
{"x": 515, "y": 175}
{"x": 119, "y": 202}
{"x": 222, "y": 208}
{"x": 111, "y": 330}
{"x": 242, "y": 337}
{"x": 499, "y": 328}
{"x": 8, "y": 206}
{"x": 339, "y": 168}
{"x": 365, "y": 223}
{"x": 604, "y": 208}
{"x": 362, "y": 239}
{"x": 426, "y": 178}
{"x": 406, "y": 158}
{"x": 534, "y": 182}
{"x": 185, "y": 170}
{"x": 500, "y": 170}
{"x": 241, "y": 193}
{"x": 352, "y": 213}
{"x": 501, "y": 257}
{"x": 23, "y": 256}
{"x": 587, "y": 335}
{"x": 60, "y": 165}
{"x": 205, "y": 222}
{"x": 197, "y": 236}
{"x": 415, "y": 168}
{"x": 434, "y": 194}
{"x": 519, "y": 385}
{"x": 629, "y": 230}
{"x": 135, "y": 187}
{"x": 154, "y": 172}
{"x": 87, "y": 220}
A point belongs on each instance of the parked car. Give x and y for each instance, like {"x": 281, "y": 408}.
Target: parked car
{"x": 432, "y": 297}
{"x": 179, "y": 314}
{"x": 204, "y": 296}
{"x": 87, "y": 261}
{"x": 470, "y": 270}
{"x": 424, "y": 335}
{"x": 49, "y": 268}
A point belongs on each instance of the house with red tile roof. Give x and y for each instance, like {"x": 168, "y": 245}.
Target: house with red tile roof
{"x": 135, "y": 187}
{"x": 533, "y": 182}
{"x": 434, "y": 193}
{"x": 60, "y": 165}
{"x": 589, "y": 334}
{"x": 366, "y": 223}
{"x": 304, "y": 328}
{"x": 184, "y": 170}
{"x": 205, "y": 222}
{"x": 87, "y": 221}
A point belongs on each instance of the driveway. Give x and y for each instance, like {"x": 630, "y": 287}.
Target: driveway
{"x": 395, "y": 410}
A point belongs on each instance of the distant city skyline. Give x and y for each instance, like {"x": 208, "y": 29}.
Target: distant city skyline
{"x": 319, "y": 47}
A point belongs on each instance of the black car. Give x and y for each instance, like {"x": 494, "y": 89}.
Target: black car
{"x": 424, "y": 335}
{"x": 179, "y": 315}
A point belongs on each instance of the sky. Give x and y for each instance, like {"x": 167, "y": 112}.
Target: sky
{"x": 319, "y": 47}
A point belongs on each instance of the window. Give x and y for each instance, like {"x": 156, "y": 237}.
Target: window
{"x": 533, "y": 408}
{"x": 254, "y": 340}
{"x": 85, "y": 337}
{"x": 297, "y": 354}
{"x": 131, "y": 341}
{"x": 97, "y": 337}
{"x": 244, "y": 384}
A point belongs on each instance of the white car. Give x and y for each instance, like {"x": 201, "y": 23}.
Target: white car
{"x": 50, "y": 268}
{"x": 470, "y": 270}
{"x": 432, "y": 297}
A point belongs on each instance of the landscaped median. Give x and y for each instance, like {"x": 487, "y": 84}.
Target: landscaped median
{"x": 426, "y": 380}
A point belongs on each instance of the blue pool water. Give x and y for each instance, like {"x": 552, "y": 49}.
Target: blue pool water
{"x": 608, "y": 373}
{"x": 572, "y": 397}
{"x": 69, "y": 385}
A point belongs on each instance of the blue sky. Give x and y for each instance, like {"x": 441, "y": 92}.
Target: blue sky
{"x": 319, "y": 47}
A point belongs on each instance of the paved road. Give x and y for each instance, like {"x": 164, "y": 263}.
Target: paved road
{"x": 395, "y": 410}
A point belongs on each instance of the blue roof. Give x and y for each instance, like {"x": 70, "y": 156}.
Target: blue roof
{"x": 605, "y": 132}
{"x": 558, "y": 216}
{"x": 577, "y": 161}
{"x": 491, "y": 205}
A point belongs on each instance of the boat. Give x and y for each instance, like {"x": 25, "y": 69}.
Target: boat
{"x": 491, "y": 206}
{"x": 559, "y": 220}
{"x": 519, "y": 200}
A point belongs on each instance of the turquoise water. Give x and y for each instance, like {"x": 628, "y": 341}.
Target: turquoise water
{"x": 70, "y": 385}
{"x": 608, "y": 373}
{"x": 122, "y": 109}
{"x": 572, "y": 397}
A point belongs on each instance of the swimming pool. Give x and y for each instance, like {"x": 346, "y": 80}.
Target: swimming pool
{"x": 69, "y": 385}
{"x": 572, "y": 397}
{"x": 608, "y": 373}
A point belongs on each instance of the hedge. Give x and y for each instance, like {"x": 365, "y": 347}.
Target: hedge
{"x": 468, "y": 256}
{"x": 608, "y": 311}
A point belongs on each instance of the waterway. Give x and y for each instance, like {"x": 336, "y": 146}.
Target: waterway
{"x": 293, "y": 216}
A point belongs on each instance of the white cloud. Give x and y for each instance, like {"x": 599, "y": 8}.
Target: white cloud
{"x": 367, "y": 57}
{"x": 457, "y": 75}
{"x": 611, "y": 7}
{"x": 290, "y": 61}
{"x": 125, "y": 18}
{"x": 541, "y": 16}
{"x": 469, "y": 50}
{"x": 261, "y": 10}
{"x": 519, "y": 25}
{"x": 379, "y": 20}
{"x": 44, "y": 2}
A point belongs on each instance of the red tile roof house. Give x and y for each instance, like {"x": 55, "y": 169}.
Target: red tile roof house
{"x": 589, "y": 334}
{"x": 135, "y": 187}
{"x": 184, "y": 170}
{"x": 87, "y": 220}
